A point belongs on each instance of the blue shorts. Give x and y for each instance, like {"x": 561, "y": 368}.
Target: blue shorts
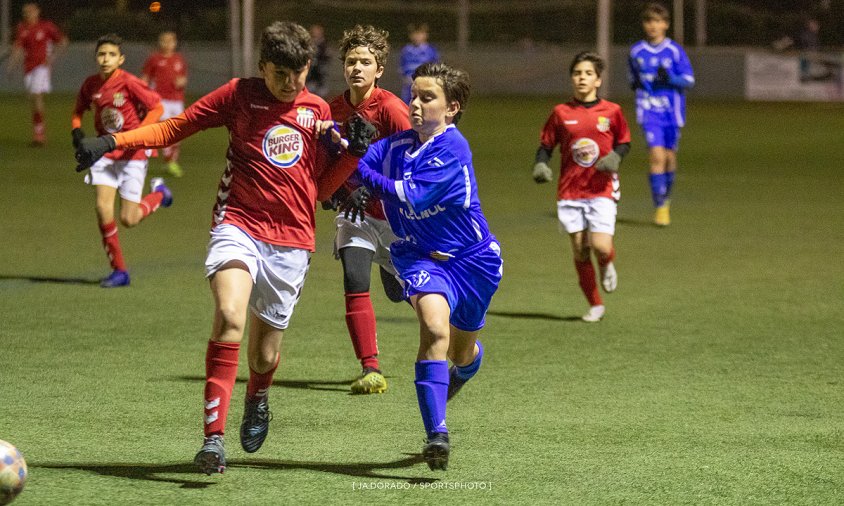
{"x": 662, "y": 136}
{"x": 468, "y": 281}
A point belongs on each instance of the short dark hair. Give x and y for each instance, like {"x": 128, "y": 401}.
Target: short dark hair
{"x": 366, "y": 36}
{"x": 655, "y": 11}
{"x": 286, "y": 44}
{"x": 589, "y": 56}
{"x": 109, "y": 38}
{"x": 454, "y": 82}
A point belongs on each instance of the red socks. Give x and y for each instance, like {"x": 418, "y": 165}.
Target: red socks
{"x": 586, "y": 276}
{"x": 111, "y": 243}
{"x": 605, "y": 259}
{"x": 220, "y": 375}
{"x": 150, "y": 203}
{"x": 259, "y": 383}
{"x": 38, "y": 128}
{"x": 360, "y": 318}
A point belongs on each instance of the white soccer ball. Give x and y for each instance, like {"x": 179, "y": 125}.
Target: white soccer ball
{"x": 13, "y": 472}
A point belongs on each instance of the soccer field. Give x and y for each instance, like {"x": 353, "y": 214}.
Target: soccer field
{"x": 717, "y": 376}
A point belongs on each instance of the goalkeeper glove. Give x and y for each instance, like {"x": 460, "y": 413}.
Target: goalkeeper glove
{"x": 609, "y": 163}
{"x": 360, "y": 133}
{"x": 355, "y": 203}
{"x": 77, "y": 134}
{"x": 542, "y": 172}
{"x": 92, "y": 149}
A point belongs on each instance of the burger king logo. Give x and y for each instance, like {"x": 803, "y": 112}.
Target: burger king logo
{"x": 112, "y": 120}
{"x": 585, "y": 152}
{"x": 282, "y": 146}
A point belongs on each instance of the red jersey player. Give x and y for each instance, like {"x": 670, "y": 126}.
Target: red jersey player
{"x": 167, "y": 73}
{"x": 593, "y": 138}
{"x": 35, "y": 43}
{"x": 360, "y": 242}
{"x": 120, "y": 101}
{"x": 262, "y": 231}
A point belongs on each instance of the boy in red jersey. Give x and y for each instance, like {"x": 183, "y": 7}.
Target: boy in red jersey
{"x": 262, "y": 231}
{"x": 121, "y": 101}
{"x": 593, "y": 138}
{"x": 167, "y": 73}
{"x": 35, "y": 43}
{"x": 360, "y": 242}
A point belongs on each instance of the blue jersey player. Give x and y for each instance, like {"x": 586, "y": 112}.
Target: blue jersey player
{"x": 447, "y": 258}
{"x": 660, "y": 72}
{"x": 414, "y": 54}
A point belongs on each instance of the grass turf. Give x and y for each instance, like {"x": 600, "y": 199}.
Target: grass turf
{"x": 715, "y": 378}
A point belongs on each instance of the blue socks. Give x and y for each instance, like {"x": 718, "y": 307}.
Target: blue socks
{"x": 467, "y": 371}
{"x": 432, "y": 391}
{"x": 669, "y": 182}
{"x": 659, "y": 188}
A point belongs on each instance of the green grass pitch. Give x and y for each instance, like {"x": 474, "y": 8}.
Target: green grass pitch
{"x": 717, "y": 376}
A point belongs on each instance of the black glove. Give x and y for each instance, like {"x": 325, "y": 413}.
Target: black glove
{"x": 92, "y": 149}
{"x": 355, "y": 203}
{"x": 360, "y": 133}
{"x": 334, "y": 201}
{"x": 662, "y": 76}
{"x": 77, "y": 134}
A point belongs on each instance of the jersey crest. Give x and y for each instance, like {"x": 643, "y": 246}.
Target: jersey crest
{"x": 603, "y": 124}
{"x": 305, "y": 117}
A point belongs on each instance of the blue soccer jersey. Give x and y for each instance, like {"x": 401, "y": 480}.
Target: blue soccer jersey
{"x": 430, "y": 198}
{"x": 412, "y": 56}
{"x": 660, "y": 95}
{"x": 429, "y": 189}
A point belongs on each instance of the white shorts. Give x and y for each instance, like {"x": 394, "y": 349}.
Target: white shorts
{"x": 125, "y": 175}
{"x": 277, "y": 271}
{"x": 372, "y": 234}
{"x": 171, "y": 108}
{"x": 596, "y": 215}
{"x": 37, "y": 80}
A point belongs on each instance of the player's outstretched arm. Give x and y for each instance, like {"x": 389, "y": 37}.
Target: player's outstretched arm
{"x": 541, "y": 171}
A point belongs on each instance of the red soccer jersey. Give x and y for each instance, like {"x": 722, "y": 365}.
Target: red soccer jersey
{"x": 585, "y": 134}
{"x": 268, "y": 189}
{"x": 387, "y": 112}
{"x": 120, "y": 103}
{"x": 36, "y": 40}
{"x": 163, "y": 71}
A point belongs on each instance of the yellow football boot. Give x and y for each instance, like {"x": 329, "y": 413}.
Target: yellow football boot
{"x": 662, "y": 216}
{"x": 370, "y": 382}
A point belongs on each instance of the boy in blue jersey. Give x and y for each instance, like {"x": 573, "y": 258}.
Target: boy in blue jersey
{"x": 660, "y": 72}
{"x": 447, "y": 258}
{"x": 414, "y": 54}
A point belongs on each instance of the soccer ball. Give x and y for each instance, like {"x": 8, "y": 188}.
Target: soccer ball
{"x": 12, "y": 472}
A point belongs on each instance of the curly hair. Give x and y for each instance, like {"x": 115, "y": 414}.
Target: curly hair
{"x": 454, "y": 82}
{"x": 366, "y": 36}
{"x": 286, "y": 44}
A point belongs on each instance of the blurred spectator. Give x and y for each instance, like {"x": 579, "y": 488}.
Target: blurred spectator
{"x": 807, "y": 39}
{"x": 317, "y": 81}
{"x": 35, "y": 42}
{"x": 414, "y": 54}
